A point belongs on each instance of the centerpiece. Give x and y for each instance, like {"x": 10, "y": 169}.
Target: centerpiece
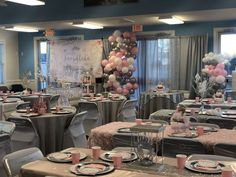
{"x": 212, "y": 77}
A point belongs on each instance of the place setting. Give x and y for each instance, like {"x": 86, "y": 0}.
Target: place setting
{"x": 60, "y": 110}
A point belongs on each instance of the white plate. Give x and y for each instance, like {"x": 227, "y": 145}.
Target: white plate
{"x": 63, "y": 156}
{"x": 229, "y": 112}
{"x": 61, "y": 112}
{"x": 184, "y": 135}
{"x": 92, "y": 168}
{"x": 124, "y": 130}
{"x": 193, "y": 166}
{"x": 30, "y": 115}
{"x": 126, "y": 156}
{"x": 229, "y": 116}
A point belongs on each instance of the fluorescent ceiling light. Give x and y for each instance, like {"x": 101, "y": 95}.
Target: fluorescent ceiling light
{"x": 21, "y": 29}
{"x": 28, "y": 2}
{"x": 171, "y": 20}
{"x": 87, "y": 25}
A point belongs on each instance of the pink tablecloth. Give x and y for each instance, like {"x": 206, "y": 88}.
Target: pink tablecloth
{"x": 103, "y": 135}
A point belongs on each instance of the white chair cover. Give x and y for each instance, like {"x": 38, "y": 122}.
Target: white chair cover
{"x": 12, "y": 162}
{"x": 128, "y": 111}
{"x": 25, "y": 134}
{"x": 75, "y": 136}
{"x": 92, "y": 118}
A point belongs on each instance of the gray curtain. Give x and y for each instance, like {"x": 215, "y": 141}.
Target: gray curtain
{"x": 173, "y": 61}
{"x": 193, "y": 49}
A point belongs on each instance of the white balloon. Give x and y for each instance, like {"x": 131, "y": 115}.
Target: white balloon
{"x": 220, "y": 79}
{"x": 119, "y": 39}
{"x": 130, "y": 60}
{"x": 131, "y": 67}
{"x": 117, "y": 33}
{"x": 112, "y": 59}
{"x": 112, "y": 78}
{"x": 108, "y": 67}
{"x": 118, "y": 61}
{"x": 125, "y": 70}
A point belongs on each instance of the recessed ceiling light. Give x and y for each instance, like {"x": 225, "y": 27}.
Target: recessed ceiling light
{"x": 171, "y": 20}
{"x": 87, "y": 25}
{"x": 21, "y": 29}
{"x": 28, "y": 2}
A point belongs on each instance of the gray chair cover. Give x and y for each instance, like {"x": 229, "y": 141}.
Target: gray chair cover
{"x": 92, "y": 118}
{"x": 5, "y": 148}
{"x": 14, "y": 161}
{"x": 223, "y": 123}
{"x": 25, "y": 134}
{"x": 173, "y": 146}
{"x": 128, "y": 111}
{"x": 225, "y": 150}
{"x": 53, "y": 100}
{"x": 23, "y": 105}
{"x": 7, "y": 127}
{"x": 75, "y": 136}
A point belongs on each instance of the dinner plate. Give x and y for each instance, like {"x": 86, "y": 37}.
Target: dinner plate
{"x": 61, "y": 112}
{"x": 62, "y": 157}
{"x": 184, "y": 135}
{"x": 229, "y": 116}
{"x": 126, "y": 156}
{"x": 124, "y": 130}
{"x": 229, "y": 112}
{"x": 92, "y": 168}
{"x": 54, "y": 109}
{"x": 197, "y": 166}
{"x": 22, "y": 110}
{"x": 10, "y": 101}
{"x": 206, "y": 129}
{"x": 30, "y": 115}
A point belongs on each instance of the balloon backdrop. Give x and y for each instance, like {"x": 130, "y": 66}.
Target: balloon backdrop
{"x": 119, "y": 66}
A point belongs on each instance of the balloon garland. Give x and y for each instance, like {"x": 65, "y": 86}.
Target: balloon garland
{"x": 119, "y": 66}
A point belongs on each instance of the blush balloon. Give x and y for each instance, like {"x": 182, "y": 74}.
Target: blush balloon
{"x": 119, "y": 90}
{"x": 104, "y": 62}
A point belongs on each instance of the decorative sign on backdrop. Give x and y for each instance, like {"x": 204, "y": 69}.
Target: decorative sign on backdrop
{"x": 71, "y": 59}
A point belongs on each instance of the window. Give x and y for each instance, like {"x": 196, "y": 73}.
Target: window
{"x": 2, "y": 59}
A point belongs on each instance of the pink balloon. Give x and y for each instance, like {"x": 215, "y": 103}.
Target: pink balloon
{"x": 211, "y": 71}
{"x": 111, "y": 39}
{"x": 220, "y": 66}
{"x": 126, "y": 34}
{"x": 119, "y": 54}
{"x": 125, "y": 91}
{"x": 112, "y": 53}
{"x": 123, "y": 51}
{"x": 216, "y": 72}
{"x": 223, "y": 73}
{"x": 119, "y": 90}
{"x": 112, "y": 65}
{"x": 109, "y": 83}
{"x": 134, "y": 50}
{"x": 135, "y": 86}
{"x": 125, "y": 63}
{"x": 104, "y": 62}
{"x": 133, "y": 38}
{"x": 129, "y": 86}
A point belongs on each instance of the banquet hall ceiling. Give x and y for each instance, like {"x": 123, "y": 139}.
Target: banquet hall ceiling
{"x": 193, "y": 12}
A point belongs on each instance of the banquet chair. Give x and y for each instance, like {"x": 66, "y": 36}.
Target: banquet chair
{"x": 223, "y": 123}
{"x": 75, "y": 136}
{"x": 53, "y": 100}
{"x": 174, "y": 145}
{"x": 5, "y": 148}
{"x": 92, "y": 118}
{"x": 25, "y": 134}
{"x": 23, "y": 105}
{"x": 223, "y": 149}
{"x": 128, "y": 111}
{"x": 13, "y": 162}
{"x": 7, "y": 127}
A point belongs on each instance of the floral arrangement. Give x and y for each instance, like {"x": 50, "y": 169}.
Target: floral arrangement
{"x": 26, "y": 78}
{"x": 119, "y": 66}
{"x": 40, "y": 106}
{"x": 212, "y": 77}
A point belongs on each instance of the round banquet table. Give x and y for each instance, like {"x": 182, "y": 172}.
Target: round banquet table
{"x": 50, "y": 128}
{"x": 150, "y": 102}
{"x": 108, "y": 108}
{"x": 33, "y": 98}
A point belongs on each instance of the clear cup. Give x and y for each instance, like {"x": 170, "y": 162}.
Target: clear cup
{"x": 27, "y": 110}
{"x": 117, "y": 160}
{"x": 58, "y": 108}
{"x": 96, "y": 151}
{"x": 197, "y": 99}
{"x": 75, "y": 156}
{"x": 181, "y": 159}
{"x": 229, "y": 99}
